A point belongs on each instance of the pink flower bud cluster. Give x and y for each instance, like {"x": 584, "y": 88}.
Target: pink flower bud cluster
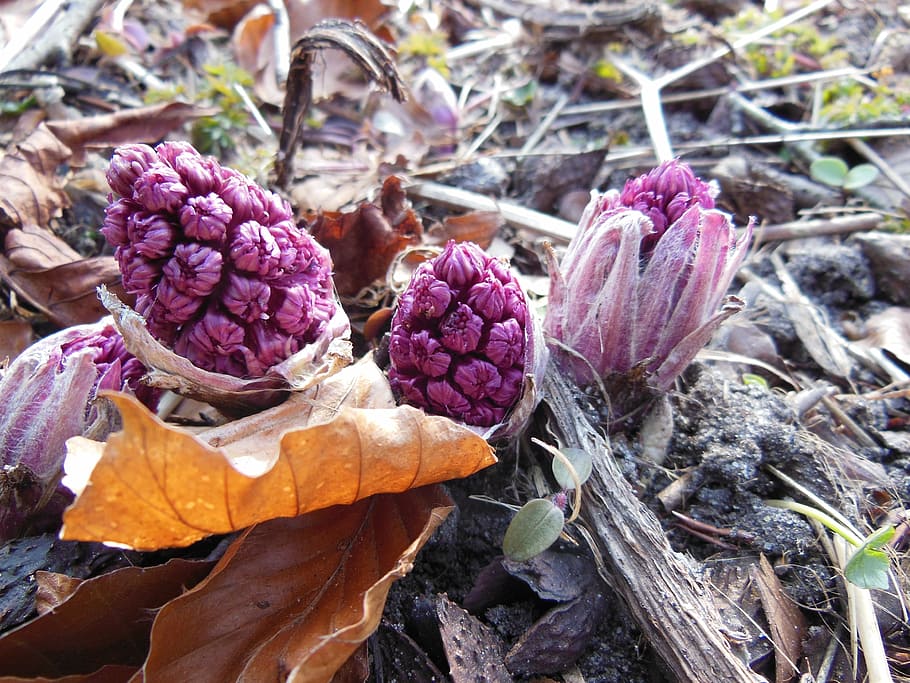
{"x": 220, "y": 270}
{"x": 459, "y": 341}
{"x": 641, "y": 282}
{"x": 49, "y": 395}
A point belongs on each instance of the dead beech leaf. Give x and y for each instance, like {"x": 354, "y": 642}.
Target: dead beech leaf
{"x": 64, "y": 292}
{"x": 253, "y": 44}
{"x": 786, "y": 621}
{"x": 32, "y": 190}
{"x": 15, "y": 337}
{"x": 105, "y": 621}
{"x": 889, "y": 330}
{"x": 53, "y": 589}
{"x": 158, "y": 486}
{"x": 37, "y": 264}
{"x": 141, "y": 124}
{"x": 364, "y": 242}
{"x": 292, "y": 599}
{"x": 476, "y": 226}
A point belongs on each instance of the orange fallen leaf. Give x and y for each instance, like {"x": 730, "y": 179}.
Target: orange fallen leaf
{"x": 157, "y": 486}
{"x": 292, "y": 599}
{"x": 105, "y": 621}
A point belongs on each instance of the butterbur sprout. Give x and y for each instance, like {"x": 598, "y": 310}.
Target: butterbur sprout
{"x": 220, "y": 271}
{"x": 641, "y": 285}
{"x": 49, "y": 395}
{"x": 462, "y": 342}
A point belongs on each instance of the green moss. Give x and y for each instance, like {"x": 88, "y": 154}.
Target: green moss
{"x": 776, "y": 56}
{"x": 430, "y": 46}
{"x": 848, "y": 102}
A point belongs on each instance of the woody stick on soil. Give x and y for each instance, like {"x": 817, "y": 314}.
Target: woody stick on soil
{"x": 672, "y": 607}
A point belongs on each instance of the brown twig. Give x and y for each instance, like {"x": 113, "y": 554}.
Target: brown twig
{"x": 357, "y": 43}
{"x": 661, "y": 588}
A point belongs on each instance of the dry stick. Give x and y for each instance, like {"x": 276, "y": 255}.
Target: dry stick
{"x": 516, "y": 215}
{"x": 649, "y": 88}
{"x": 837, "y": 225}
{"x": 54, "y": 25}
{"x": 671, "y": 605}
{"x": 359, "y": 45}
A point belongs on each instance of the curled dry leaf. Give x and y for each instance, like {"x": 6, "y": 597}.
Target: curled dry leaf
{"x": 104, "y": 621}
{"x": 140, "y": 124}
{"x": 37, "y": 264}
{"x": 363, "y": 48}
{"x": 157, "y": 486}
{"x": 232, "y": 395}
{"x": 292, "y": 599}
{"x": 364, "y": 242}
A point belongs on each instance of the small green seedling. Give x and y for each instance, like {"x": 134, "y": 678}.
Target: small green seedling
{"x": 540, "y": 522}
{"x": 750, "y": 379}
{"x": 834, "y": 171}
{"x": 868, "y": 565}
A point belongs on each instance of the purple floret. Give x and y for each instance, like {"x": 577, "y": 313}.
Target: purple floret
{"x": 458, "y": 341}
{"x": 218, "y": 266}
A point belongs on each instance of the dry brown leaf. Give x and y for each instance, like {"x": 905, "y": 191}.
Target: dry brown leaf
{"x": 53, "y": 589}
{"x": 37, "y": 264}
{"x": 142, "y": 124}
{"x": 15, "y": 337}
{"x": 889, "y": 330}
{"x": 254, "y": 49}
{"x": 364, "y": 242}
{"x": 32, "y": 190}
{"x": 157, "y": 486}
{"x": 112, "y": 673}
{"x": 105, "y": 621}
{"x": 786, "y": 621}
{"x": 292, "y": 599}
{"x": 65, "y": 291}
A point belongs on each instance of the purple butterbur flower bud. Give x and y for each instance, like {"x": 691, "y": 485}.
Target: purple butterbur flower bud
{"x": 160, "y": 189}
{"x": 195, "y": 269}
{"x": 128, "y": 163}
{"x": 265, "y": 346}
{"x": 462, "y": 342}
{"x": 151, "y": 234}
{"x": 201, "y": 175}
{"x": 138, "y": 273}
{"x": 461, "y": 329}
{"x": 49, "y": 395}
{"x": 663, "y": 195}
{"x": 427, "y": 355}
{"x": 477, "y": 378}
{"x": 431, "y": 296}
{"x": 222, "y": 274}
{"x": 293, "y": 308}
{"x": 446, "y": 399}
{"x": 641, "y": 286}
{"x": 206, "y": 218}
{"x": 116, "y": 216}
{"x": 254, "y": 249}
{"x": 170, "y": 153}
{"x": 173, "y": 306}
{"x": 247, "y": 299}
{"x": 488, "y": 297}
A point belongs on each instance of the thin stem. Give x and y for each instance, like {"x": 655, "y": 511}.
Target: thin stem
{"x": 820, "y": 517}
{"x": 576, "y": 498}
